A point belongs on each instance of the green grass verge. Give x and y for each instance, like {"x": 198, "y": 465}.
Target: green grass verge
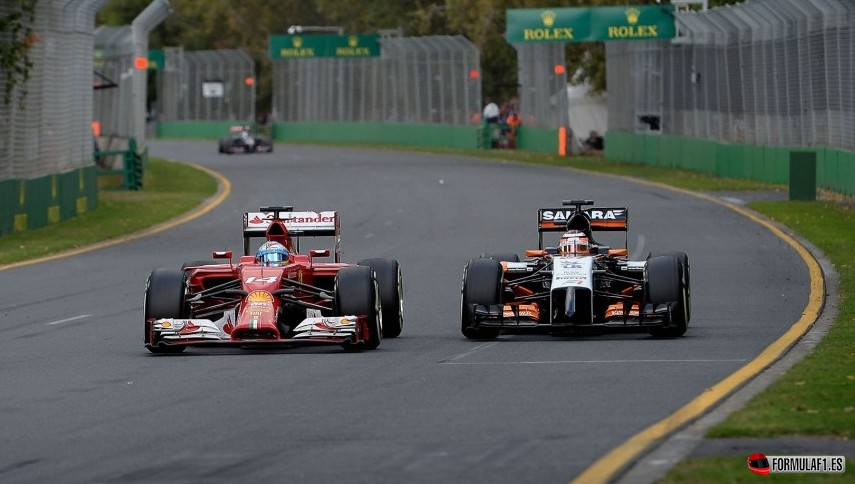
{"x": 169, "y": 190}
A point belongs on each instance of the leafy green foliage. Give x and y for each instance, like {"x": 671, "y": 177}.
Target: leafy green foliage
{"x": 17, "y": 39}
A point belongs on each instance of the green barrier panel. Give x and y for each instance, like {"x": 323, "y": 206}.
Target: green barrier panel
{"x": 802, "y": 175}
{"x": 196, "y": 129}
{"x": 404, "y": 134}
{"x": 835, "y": 169}
{"x": 38, "y": 202}
{"x": 407, "y": 134}
{"x": 540, "y": 140}
{"x": 8, "y": 205}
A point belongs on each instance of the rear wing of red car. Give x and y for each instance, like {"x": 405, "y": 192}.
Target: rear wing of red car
{"x": 296, "y": 225}
{"x": 588, "y": 220}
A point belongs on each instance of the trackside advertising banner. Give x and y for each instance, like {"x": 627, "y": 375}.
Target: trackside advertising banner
{"x": 317, "y": 46}
{"x": 590, "y": 24}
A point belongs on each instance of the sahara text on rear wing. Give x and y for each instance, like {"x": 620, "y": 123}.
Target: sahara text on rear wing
{"x": 588, "y": 220}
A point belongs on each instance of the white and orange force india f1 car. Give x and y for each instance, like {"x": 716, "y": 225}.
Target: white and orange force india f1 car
{"x": 300, "y": 301}
{"x": 558, "y": 292}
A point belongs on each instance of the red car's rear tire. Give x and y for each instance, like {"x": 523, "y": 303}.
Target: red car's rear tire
{"x": 391, "y": 287}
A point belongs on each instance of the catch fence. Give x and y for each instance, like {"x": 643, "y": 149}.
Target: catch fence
{"x": 434, "y": 79}
{"x": 772, "y": 73}
{"x": 113, "y": 98}
{"x": 206, "y": 85}
{"x": 47, "y": 126}
{"x": 542, "y": 85}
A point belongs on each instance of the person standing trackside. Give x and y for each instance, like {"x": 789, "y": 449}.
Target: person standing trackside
{"x": 491, "y": 112}
{"x": 491, "y": 117}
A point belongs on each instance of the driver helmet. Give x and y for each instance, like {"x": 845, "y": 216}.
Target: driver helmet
{"x": 574, "y": 242}
{"x": 272, "y": 254}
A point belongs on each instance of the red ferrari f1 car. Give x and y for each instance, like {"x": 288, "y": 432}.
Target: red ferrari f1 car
{"x": 580, "y": 286}
{"x": 277, "y": 296}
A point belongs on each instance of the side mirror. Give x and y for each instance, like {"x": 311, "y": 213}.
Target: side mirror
{"x": 319, "y": 253}
{"x": 222, "y": 254}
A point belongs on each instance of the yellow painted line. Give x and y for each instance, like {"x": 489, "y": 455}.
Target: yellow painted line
{"x": 603, "y": 469}
{"x": 223, "y": 193}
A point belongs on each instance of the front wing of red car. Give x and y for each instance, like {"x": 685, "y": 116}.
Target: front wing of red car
{"x": 205, "y": 332}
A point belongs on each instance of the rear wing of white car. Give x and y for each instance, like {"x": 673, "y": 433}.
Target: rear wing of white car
{"x": 588, "y": 220}
{"x": 298, "y": 224}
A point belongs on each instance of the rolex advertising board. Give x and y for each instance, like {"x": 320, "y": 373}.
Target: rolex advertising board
{"x": 316, "y": 46}
{"x": 591, "y": 24}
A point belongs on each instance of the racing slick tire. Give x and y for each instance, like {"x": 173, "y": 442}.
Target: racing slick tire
{"x": 391, "y": 287}
{"x": 502, "y": 257}
{"x": 482, "y": 284}
{"x": 684, "y": 271}
{"x": 263, "y": 145}
{"x": 665, "y": 284}
{"x": 164, "y": 298}
{"x": 356, "y": 294}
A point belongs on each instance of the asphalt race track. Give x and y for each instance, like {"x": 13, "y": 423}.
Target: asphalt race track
{"x": 83, "y": 401}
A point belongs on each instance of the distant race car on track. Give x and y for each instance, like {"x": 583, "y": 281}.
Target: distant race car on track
{"x": 580, "y": 286}
{"x": 276, "y": 296}
{"x": 242, "y": 140}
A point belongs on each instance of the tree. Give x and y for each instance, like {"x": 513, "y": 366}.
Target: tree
{"x": 17, "y": 40}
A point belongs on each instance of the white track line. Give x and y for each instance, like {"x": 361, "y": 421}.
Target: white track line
{"x": 68, "y": 319}
{"x": 464, "y": 355}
